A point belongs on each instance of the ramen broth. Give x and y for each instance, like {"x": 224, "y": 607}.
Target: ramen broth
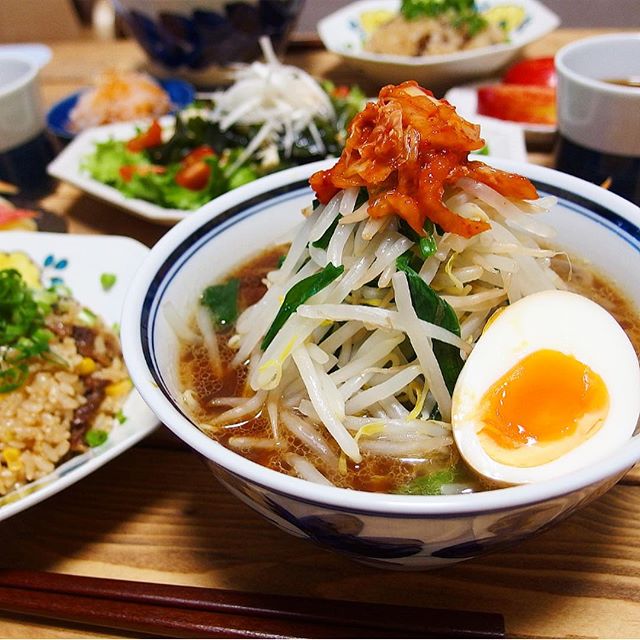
{"x": 375, "y": 473}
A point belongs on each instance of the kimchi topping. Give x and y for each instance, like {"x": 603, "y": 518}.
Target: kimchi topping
{"x": 406, "y": 149}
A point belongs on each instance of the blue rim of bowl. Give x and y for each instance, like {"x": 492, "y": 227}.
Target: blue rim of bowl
{"x": 181, "y": 94}
{"x": 191, "y": 244}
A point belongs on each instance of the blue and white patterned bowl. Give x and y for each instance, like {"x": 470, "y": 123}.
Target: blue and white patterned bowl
{"x": 344, "y": 33}
{"x": 395, "y": 531}
{"x": 193, "y": 36}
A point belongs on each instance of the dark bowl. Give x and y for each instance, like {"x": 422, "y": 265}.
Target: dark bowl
{"x": 191, "y": 37}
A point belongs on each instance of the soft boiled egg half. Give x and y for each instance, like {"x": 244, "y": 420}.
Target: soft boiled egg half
{"x": 552, "y": 386}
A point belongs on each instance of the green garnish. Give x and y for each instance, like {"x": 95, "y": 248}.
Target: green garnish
{"x": 323, "y": 241}
{"x": 427, "y": 246}
{"x": 107, "y": 280}
{"x": 411, "y": 9}
{"x": 429, "y": 485}
{"x": 464, "y": 12}
{"x": 120, "y": 417}
{"x": 222, "y": 301}
{"x": 22, "y": 332}
{"x": 95, "y": 437}
{"x": 429, "y": 306}
{"x": 87, "y": 317}
{"x": 299, "y": 294}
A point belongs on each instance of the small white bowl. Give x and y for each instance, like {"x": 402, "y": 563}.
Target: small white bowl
{"x": 388, "y": 530}
{"x": 342, "y": 33}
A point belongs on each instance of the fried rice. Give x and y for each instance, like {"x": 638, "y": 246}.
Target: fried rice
{"x": 80, "y": 389}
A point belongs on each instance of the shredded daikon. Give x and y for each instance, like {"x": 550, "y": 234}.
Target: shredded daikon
{"x": 283, "y": 99}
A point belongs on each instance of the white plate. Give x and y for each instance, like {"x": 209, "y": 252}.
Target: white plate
{"x": 79, "y": 261}
{"x": 67, "y": 166}
{"x": 465, "y": 99}
{"x": 35, "y": 52}
{"x": 342, "y": 33}
{"x": 503, "y": 139}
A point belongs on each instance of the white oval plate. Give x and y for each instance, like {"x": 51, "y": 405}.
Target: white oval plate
{"x": 79, "y": 261}
{"x": 67, "y": 166}
{"x": 342, "y": 33}
{"x": 465, "y": 99}
{"x": 504, "y": 140}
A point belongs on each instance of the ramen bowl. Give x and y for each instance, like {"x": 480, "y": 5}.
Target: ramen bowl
{"x": 393, "y": 531}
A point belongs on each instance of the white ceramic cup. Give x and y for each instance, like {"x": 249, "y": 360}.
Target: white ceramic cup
{"x": 25, "y": 149}
{"x": 598, "y": 121}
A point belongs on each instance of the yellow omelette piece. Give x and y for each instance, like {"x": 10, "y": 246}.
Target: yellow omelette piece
{"x": 511, "y": 16}
{"x": 372, "y": 20}
{"x": 22, "y": 263}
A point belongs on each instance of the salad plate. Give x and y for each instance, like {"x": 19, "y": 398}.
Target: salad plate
{"x": 79, "y": 262}
{"x": 180, "y": 92}
{"x": 68, "y": 166}
{"x": 465, "y": 97}
{"x": 504, "y": 140}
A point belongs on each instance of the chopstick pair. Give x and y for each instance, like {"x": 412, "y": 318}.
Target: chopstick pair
{"x": 194, "y": 612}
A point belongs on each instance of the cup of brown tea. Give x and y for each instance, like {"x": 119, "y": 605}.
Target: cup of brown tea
{"x": 599, "y": 111}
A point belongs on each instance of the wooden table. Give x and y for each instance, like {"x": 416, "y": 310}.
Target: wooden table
{"x": 157, "y": 514}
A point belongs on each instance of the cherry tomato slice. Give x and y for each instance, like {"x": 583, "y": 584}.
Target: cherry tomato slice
{"x": 194, "y": 176}
{"x": 539, "y": 72}
{"x": 536, "y": 105}
{"x": 152, "y": 137}
{"x": 203, "y": 151}
{"x": 341, "y": 91}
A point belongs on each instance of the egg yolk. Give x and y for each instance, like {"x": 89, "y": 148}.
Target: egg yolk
{"x": 544, "y": 406}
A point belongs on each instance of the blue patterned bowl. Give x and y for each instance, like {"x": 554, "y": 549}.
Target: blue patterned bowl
{"x": 195, "y": 35}
{"x": 394, "y": 531}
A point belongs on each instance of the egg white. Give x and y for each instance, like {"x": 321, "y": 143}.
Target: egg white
{"x": 573, "y": 325}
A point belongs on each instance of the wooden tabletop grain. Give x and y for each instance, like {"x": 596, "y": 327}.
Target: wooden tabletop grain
{"x": 157, "y": 514}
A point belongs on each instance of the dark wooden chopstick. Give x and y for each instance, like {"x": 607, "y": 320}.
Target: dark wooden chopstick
{"x": 160, "y": 621}
{"x": 179, "y": 611}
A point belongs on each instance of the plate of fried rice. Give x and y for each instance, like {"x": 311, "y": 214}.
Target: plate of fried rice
{"x": 67, "y": 405}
